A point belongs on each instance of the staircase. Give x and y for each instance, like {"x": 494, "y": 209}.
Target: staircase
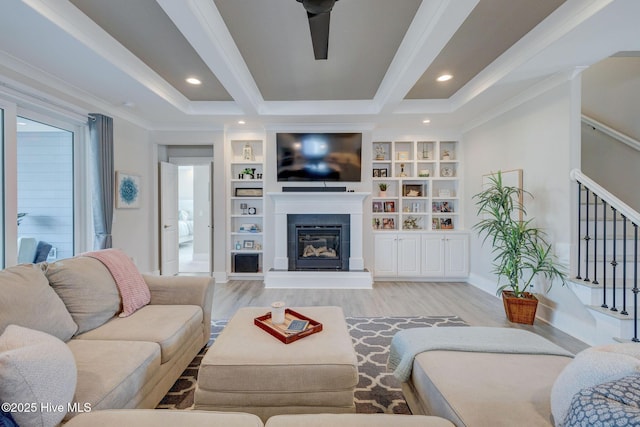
{"x": 606, "y": 276}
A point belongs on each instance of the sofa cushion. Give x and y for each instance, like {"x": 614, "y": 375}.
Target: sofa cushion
{"x": 36, "y": 369}
{"x": 487, "y": 389}
{"x": 87, "y": 289}
{"x": 26, "y": 299}
{"x": 112, "y": 373}
{"x": 593, "y": 366}
{"x": 357, "y": 420}
{"x": 162, "y": 418}
{"x": 170, "y": 326}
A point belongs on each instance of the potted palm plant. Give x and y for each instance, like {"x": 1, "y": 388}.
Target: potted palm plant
{"x": 520, "y": 249}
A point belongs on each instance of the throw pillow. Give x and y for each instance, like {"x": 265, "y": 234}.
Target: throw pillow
{"x": 36, "y": 369}
{"x": 133, "y": 289}
{"x": 26, "y": 299}
{"x": 593, "y": 366}
{"x": 87, "y": 289}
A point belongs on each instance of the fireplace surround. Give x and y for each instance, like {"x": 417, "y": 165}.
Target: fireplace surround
{"x": 318, "y": 204}
{"x": 318, "y": 242}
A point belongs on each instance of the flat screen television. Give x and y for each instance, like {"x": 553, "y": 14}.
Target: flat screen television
{"x": 319, "y": 156}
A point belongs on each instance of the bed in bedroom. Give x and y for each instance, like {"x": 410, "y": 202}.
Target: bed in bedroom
{"x": 185, "y": 227}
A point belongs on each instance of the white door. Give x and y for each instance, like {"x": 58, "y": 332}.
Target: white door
{"x": 457, "y": 255}
{"x": 168, "y": 219}
{"x": 386, "y": 253}
{"x": 408, "y": 255}
{"x": 433, "y": 256}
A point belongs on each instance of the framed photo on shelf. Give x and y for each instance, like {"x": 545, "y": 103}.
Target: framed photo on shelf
{"x": 248, "y": 244}
{"x": 442, "y": 207}
{"x": 376, "y": 207}
{"x": 376, "y": 173}
{"x": 412, "y": 190}
{"x": 444, "y": 192}
{"x": 388, "y": 223}
{"x": 248, "y": 192}
{"x": 403, "y": 155}
{"x": 383, "y": 172}
{"x": 435, "y": 224}
{"x": 389, "y": 206}
{"x": 376, "y": 223}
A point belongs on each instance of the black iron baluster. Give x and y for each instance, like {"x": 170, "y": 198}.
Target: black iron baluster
{"x": 586, "y": 240}
{"x": 604, "y": 254}
{"x": 614, "y": 262}
{"x": 579, "y": 229}
{"x": 624, "y": 265}
{"x": 595, "y": 239}
{"x": 635, "y": 282}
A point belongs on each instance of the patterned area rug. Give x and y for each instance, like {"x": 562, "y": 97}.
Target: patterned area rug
{"x": 377, "y": 391}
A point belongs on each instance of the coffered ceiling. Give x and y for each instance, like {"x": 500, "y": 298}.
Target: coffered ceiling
{"x": 255, "y": 60}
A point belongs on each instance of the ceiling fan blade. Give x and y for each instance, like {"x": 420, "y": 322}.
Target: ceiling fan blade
{"x": 319, "y": 27}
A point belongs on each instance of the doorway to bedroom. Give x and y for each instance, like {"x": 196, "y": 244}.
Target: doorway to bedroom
{"x": 194, "y": 218}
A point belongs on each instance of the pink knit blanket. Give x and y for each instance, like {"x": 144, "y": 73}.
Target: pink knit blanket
{"x": 134, "y": 291}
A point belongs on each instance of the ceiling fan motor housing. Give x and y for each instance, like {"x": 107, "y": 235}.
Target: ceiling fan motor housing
{"x": 318, "y": 6}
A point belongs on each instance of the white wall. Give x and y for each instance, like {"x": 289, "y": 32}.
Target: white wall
{"x": 134, "y": 229}
{"x": 612, "y": 164}
{"x": 540, "y": 136}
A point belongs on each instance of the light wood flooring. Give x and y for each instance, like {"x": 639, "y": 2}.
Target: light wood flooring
{"x": 474, "y": 306}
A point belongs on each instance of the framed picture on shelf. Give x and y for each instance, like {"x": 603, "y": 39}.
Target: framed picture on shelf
{"x": 248, "y": 192}
{"x": 444, "y": 192}
{"x": 376, "y": 223}
{"x": 383, "y": 172}
{"x": 248, "y": 244}
{"x": 412, "y": 190}
{"x": 435, "y": 224}
{"x": 376, "y": 173}
{"x": 389, "y": 206}
{"x": 446, "y": 224}
{"x": 403, "y": 155}
{"x": 376, "y": 207}
{"x": 388, "y": 223}
{"x": 442, "y": 207}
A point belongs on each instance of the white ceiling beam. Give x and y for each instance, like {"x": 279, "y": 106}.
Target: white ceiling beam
{"x": 565, "y": 19}
{"x": 202, "y": 25}
{"x": 432, "y": 27}
{"x": 71, "y": 20}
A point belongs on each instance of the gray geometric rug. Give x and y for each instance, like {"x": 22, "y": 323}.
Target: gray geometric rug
{"x": 377, "y": 390}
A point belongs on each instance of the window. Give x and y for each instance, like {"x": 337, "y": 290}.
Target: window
{"x": 45, "y": 191}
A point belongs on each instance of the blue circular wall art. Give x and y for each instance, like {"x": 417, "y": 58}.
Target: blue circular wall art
{"x": 128, "y": 191}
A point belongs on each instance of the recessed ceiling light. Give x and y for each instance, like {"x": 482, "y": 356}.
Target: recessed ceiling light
{"x": 241, "y": 122}
{"x": 444, "y": 77}
{"x": 22, "y": 124}
{"x": 193, "y": 81}
{"x": 426, "y": 121}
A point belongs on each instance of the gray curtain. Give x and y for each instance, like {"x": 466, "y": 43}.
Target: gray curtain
{"x": 102, "y": 178}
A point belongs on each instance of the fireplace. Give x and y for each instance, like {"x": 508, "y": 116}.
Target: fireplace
{"x": 319, "y": 212}
{"x": 318, "y": 242}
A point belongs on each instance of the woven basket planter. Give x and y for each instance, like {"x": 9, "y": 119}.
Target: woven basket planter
{"x": 520, "y": 310}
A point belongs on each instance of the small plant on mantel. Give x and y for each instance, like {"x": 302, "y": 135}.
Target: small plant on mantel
{"x": 520, "y": 250}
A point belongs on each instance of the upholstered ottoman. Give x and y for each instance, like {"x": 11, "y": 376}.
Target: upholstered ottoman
{"x": 248, "y": 370}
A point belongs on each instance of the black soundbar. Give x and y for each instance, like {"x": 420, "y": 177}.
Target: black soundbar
{"x": 313, "y": 189}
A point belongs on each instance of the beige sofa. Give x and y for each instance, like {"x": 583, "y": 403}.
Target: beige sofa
{"x": 162, "y": 418}
{"x": 496, "y": 377}
{"x": 121, "y": 362}
{"x": 505, "y": 381}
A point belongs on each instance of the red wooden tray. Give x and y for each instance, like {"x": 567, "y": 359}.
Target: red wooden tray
{"x": 279, "y": 331}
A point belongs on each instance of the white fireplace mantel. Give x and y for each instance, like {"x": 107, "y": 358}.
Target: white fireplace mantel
{"x": 350, "y": 203}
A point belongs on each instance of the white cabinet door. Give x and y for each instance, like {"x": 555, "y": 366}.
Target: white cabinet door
{"x": 409, "y": 255}
{"x": 456, "y": 255}
{"x": 386, "y": 254}
{"x": 433, "y": 256}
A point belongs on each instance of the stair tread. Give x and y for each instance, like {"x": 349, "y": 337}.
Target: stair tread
{"x": 608, "y": 312}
